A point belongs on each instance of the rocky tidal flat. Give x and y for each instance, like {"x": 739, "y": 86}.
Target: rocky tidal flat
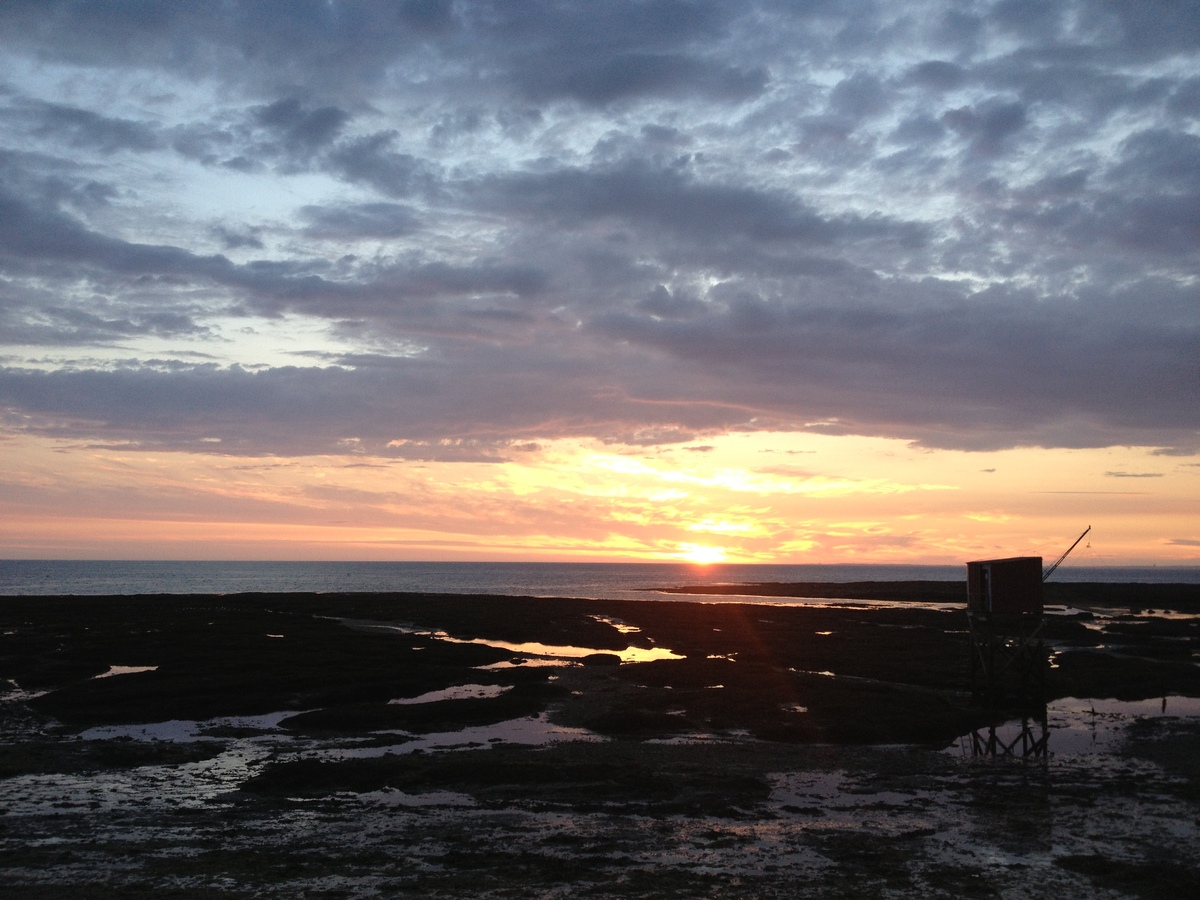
{"x": 364, "y": 745}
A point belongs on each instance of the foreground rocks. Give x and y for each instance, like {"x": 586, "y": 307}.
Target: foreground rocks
{"x": 790, "y": 751}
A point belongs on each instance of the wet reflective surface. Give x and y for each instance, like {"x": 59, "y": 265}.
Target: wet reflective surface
{"x": 1072, "y": 726}
{"x": 802, "y": 821}
{"x": 764, "y": 758}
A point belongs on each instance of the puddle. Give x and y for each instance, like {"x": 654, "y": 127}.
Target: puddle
{"x": 523, "y": 663}
{"x": 17, "y": 694}
{"x": 1114, "y": 613}
{"x": 530, "y": 731}
{"x": 458, "y": 692}
{"x": 183, "y": 730}
{"x": 559, "y": 651}
{"x": 126, "y": 670}
{"x": 1087, "y": 726}
{"x": 196, "y": 785}
{"x": 525, "y": 648}
{"x": 1072, "y": 727}
{"x": 180, "y": 731}
{"x": 622, "y": 627}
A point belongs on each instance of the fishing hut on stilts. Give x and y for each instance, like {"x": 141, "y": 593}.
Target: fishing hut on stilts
{"x": 1009, "y": 661}
{"x": 1005, "y": 613}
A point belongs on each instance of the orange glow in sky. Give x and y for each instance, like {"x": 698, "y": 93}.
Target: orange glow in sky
{"x": 759, "y": 497}
{"x": 634, "y": 280}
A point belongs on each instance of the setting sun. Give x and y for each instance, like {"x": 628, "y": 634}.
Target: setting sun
{"x": 702, "y": 555}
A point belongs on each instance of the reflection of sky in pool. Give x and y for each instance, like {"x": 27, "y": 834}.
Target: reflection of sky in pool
{"x": 126, "y": 670}
{"x": 458, "y": 692}
{"x": 526, "y": 648}
{"x": 1077, "y": 726}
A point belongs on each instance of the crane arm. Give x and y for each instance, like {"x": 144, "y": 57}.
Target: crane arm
{"x": 1058, "y": 562}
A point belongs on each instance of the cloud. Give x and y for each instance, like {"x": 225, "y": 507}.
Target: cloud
{"x": 371, "y": 160}
{"x": 988, "y": 125}
{"x": 622, "y": 51}
{"x": 1177, "y": 451}
{"x": 668, "y": 198}
{"x": 1185, "y": 98}
{"x": 329, "y": 47}
{"x": 664, "y": 303}
{"x": 1149, "y": 30}
{"x": 32, "y": 232}
{"x": 1159, "y": 160}
{"x": 415, "y": 408}
{"x": 858, "y": 97}
{"x": 299, "y": 127}
{"x": 492, "y": 223}
{"x": 238, "y": 240}
{"x": 428, "y": 16}
{"x": 35, "y": 234}
{"x": 363, "y": 220}
{"x": 959, "y": 372}
{"x": 64, "y": 326}
{"x": 84, "y": 128}
{"x": 636, "y": 75}
{"x": 937, "y": 74}
{"x": 1028, "y": 18}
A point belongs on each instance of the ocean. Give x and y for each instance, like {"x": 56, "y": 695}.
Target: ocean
{"x": 609, "y": 581}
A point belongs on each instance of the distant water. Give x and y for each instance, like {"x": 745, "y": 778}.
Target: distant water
{"x": 596, "y": 580}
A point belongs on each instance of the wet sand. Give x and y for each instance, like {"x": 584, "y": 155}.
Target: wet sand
{"x": 252, "y": 745}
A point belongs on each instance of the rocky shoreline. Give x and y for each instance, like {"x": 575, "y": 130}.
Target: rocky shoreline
{"x": 363, "y": 745}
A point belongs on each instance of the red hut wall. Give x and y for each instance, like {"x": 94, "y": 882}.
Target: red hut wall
{"x": 1006, "y": 586}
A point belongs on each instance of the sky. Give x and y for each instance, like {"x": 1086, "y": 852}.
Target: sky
{"x": 724, "y": 280}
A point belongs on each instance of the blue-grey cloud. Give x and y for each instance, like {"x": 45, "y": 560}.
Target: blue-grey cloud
{"x": 300, "y": 127}
{"x": 963, "y": 224}
{"x": 237, "y": 240}
{"x": 666, "y": 198}
{"x": 363, "y": 220}
{"x": 937, "y": 74}
{"x": 85, "y": 128}
{"x": 988, "y": 125}
{"x": 630, "y": 75}
{"x": 372, "y": 161}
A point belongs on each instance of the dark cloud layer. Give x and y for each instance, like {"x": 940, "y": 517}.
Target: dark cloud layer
{"x": 969, "y": 225}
